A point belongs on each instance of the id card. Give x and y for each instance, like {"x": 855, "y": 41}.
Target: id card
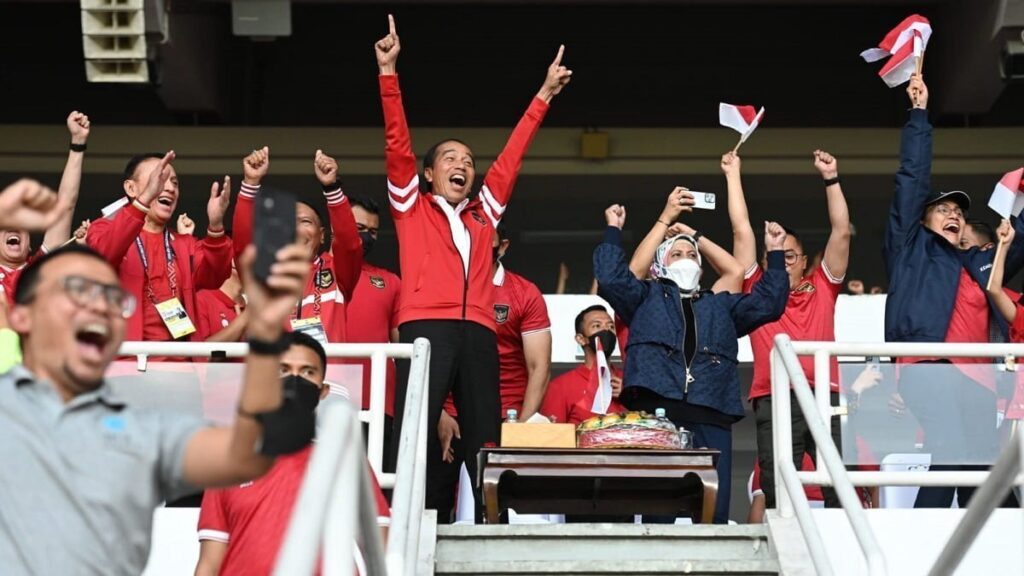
{"x": 175, "y": 318}
{"x": 311, "y": 327}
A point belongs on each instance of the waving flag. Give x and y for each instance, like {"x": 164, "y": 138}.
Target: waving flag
{"x": 1008, "y": 196}
{"x": 601, "y": 379}
{"x": 905, "y": 44}
{"x": 742, "y": 119}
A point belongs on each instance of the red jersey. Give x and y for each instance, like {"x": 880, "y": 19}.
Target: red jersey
{"x": 252, "y": 518}
{"x": 1015, "y": 408}
{"x": 198, "y": 264}
{"x": 9, "y": 276}
{"x": 570, "y": 397}
{"x": 214, "y": 311}
{"x": 371, "y": 320}
{"x": 810, "y": 315}
{"x": 335, "y": 273}
{"x": 445, "y": 252}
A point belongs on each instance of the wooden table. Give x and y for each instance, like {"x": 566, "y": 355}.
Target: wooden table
{"x": 591, "y": 481}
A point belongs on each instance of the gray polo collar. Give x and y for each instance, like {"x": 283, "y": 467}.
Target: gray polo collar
{"x": 104, "y": 395}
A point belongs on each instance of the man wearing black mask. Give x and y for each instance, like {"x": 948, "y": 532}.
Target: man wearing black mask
{"x": 570, "y": 397}
{"x": 373, "y": 318}
{"x": 242, "y": 528}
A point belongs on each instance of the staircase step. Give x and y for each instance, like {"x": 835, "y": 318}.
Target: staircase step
{"x": 604, "y": 549}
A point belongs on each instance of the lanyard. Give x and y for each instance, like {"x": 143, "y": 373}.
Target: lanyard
{"x": 172, "y": 274}
{"x": 316, "y": 292}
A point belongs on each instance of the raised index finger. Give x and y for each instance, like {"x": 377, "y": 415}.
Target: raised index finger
{"x": 391, "y": 25}
{"x": 558, "y": 57}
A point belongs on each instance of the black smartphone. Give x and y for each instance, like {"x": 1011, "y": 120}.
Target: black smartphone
{"x": 273, "y": 228}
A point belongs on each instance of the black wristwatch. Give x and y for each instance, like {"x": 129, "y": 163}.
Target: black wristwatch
{"x": 270, "y": 348}
{"x": 697, "y": 236}
{"x": 77, "y": 147}
{"x": 830, "y": 181}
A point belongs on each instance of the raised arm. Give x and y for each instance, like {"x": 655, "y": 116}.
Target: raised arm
{"x": 767, "y": 299}
{"x": 346, "y": 246}
{"x": 615, "y": 282}
{"x": 213, "y": 254}
{"x": 254, "y": 169}
{"x": 837, "y": 250}
{"x": 1003, "y": 303}
{"x": 679, "y": 200}
{"x": 225, "y": 456}
{"x": 403, "y": 181}
{"x": 28, "y": 205}
{"x": 913, "y": 179}
{"x": 501, "y": 177}
{"x": 70, "y": 182}
{"x": 744, "y": 244}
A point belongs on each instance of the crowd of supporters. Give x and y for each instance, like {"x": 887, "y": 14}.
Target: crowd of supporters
{"x": 99, "y": 466}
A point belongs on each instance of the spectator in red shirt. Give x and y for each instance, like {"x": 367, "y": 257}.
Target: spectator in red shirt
{"x": 809, "y": 315}
{"x": 570, "y": 397}
{"x": 221, "y": 315}
{"x": 375, "y": 318}
{"x": 242, "y": 528}
{"x": 15, "y": 251}
{"x": 444, "y": 248}
{"x": 321, "y": 312}
{"x": 163, "y": 270}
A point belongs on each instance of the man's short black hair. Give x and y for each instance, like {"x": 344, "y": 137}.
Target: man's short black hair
{"x": 428, "y": 160}
{"x": 365, "y": 203}
{"x": 324, "y": 223}
{"x": 303, "y": 339}
{"x": 983, "y": 230}
{"x": 134, "y": 161}
{"x": 582, "y": 315}
{"x": 793, "y": 233}
{"x": 24, "y": 291}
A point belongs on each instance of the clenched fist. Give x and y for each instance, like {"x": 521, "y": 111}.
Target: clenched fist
{"x": 255, "y": 166}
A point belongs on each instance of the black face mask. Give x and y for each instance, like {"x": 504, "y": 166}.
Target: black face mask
{"x": 368, "y": 241}
{"x": 607, "y": 342}
{"x": 292, "y": 426}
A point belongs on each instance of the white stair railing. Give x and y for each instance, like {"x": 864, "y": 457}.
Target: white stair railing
{"x": 786, "y": 371}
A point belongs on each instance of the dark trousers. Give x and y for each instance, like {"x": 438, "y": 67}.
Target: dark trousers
{"x": 802, "y": 443}
{"x": 463, "y": 361}
{"x": 445, "y": 488}
{"x": 958, "y": 417}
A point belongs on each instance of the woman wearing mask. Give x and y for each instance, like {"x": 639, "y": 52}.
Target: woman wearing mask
{"x": 682, "y": 349}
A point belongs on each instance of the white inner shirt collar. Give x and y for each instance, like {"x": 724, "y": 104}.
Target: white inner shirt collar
{"x": 460, "y": 234}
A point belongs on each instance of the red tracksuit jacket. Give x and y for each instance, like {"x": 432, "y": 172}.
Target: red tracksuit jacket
{"x": 200, "y": 264}
{"x": 436, "y": 285}
{"x": 335, "y": 273}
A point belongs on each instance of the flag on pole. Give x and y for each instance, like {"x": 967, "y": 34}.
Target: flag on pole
{"x": 601, "y": 379}
{"x": 905, "y": 44}
{"x": 743, "y": 119}
{"x": 1008, "y": 196}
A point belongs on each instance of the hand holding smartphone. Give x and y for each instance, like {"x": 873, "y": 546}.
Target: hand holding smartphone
{"x": 273, "y": 228}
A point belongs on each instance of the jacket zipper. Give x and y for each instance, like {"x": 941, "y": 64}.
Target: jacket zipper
{"x": 465, "y": 268}
{"x": 686, "y": 365}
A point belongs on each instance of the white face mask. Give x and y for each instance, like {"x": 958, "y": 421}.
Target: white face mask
{"x": 686, "y": 275}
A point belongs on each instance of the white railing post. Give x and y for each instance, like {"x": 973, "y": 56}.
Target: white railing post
{"x": 340, "y": 524}
{"x": 823, "y": 395}
{"x": 378, "y": 387}
{"x": 782, "y": 433}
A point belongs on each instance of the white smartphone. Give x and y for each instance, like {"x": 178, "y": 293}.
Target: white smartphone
{"x": 703, "y": 200}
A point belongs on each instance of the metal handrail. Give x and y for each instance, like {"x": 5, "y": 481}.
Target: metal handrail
{"x": 407, "y": 500}
{"x": 995, "y": 484}
{"x": 828, "y": 455}
{"x": 377, "y": 353}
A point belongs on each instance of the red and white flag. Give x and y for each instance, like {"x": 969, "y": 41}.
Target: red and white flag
{"x": 905, "y": 44}
{"x": 743, "y": 119}
{"x": 1008, "y": 196}
{"x": 601, "y": 379}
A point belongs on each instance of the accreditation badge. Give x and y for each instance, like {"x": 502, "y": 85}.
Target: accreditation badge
{"x": 175, "y": 318}
{"x": 311, "y": 327}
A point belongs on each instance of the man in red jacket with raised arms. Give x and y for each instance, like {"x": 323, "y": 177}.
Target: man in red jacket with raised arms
{"x": 445, "y": 240}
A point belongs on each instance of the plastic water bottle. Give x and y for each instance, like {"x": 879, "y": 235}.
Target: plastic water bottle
{"x": 511, "y": 415}
{"x": 663, "y": 421}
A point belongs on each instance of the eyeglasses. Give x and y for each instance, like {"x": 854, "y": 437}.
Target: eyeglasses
{"x": 84, "y": 292}
{"x": 946, "y": 211}
{"x": 791, "y": 256}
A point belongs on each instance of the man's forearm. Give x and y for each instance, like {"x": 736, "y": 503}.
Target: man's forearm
{"x": 232, "y": 332}
{"x": 70, "y": 184}
{"x": 744, "y": 245}
{"x": 837, "y": 250}
{"x": 536, "y": 386}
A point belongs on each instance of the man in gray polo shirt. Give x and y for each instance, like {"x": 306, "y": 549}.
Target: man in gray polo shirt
{"x": 82, "y": 471}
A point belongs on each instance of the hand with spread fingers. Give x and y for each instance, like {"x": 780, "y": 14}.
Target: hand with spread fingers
{"x": 217, "y": 207}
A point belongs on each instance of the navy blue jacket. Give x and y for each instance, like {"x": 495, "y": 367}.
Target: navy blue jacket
{"x": 923, "y": 267}
{"x": 653, "y": 312}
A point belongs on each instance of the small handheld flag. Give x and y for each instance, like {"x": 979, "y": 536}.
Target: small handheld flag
{"x": 743, "y": 119}
{"x": 905, "y": 44}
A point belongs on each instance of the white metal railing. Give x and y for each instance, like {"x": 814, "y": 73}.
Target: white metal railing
{"x": 787, "y": 372}
{"x": 379, "y": 354}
